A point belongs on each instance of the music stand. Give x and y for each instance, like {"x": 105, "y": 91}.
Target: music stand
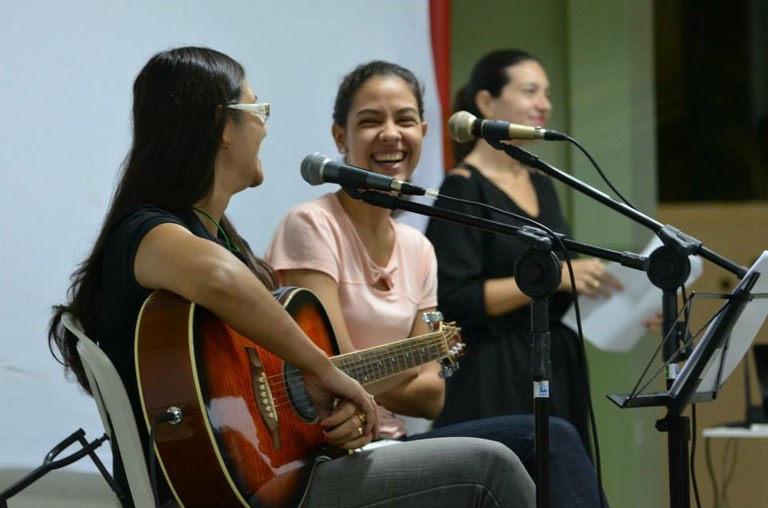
{"x": 721, "y": 348}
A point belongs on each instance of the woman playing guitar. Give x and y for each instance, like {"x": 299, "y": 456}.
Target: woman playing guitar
{"x": 197, "y": 130}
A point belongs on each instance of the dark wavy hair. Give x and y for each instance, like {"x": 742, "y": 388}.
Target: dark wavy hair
{"x": 489, "y": 73}
{"x": 353, "y": 81}
{"x": 178, "y": 122}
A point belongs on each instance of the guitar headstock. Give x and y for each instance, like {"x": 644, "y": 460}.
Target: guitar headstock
{"x": 454, "y": 348}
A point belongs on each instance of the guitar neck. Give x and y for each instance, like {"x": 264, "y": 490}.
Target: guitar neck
{"x": 377, "y": 363}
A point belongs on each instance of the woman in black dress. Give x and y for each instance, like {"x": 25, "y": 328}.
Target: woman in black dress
{"x": 475, "y": 269}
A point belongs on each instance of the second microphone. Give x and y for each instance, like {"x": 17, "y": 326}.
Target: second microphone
{"x": 318, "y": 168}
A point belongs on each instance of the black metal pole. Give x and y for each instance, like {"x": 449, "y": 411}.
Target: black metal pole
{"x": 530, "y": 236}
{"x": 669, "y": 235}
{"x": 540, "y": 374}
{"x": 537, "y": 274}
{"x": 50, "y": 464}
{"x": 678, "y": 434}
{"x": 669, "y": 348}
{"x": 668, "y": 269}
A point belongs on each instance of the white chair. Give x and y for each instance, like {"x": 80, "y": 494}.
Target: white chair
{"x": 116, "y": 412}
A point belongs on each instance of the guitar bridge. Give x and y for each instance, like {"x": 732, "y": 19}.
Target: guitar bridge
{"x": 263, "y": 396}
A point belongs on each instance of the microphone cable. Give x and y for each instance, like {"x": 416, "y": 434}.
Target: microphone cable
{"x": 685, "y": 311}
{"x": 169, "y": 416}
{"x": 599, "y": 170}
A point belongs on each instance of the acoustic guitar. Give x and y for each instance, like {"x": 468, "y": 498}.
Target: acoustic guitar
{"x": 238, "y": 428}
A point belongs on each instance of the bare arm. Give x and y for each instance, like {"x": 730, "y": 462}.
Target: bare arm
{"x": 503, "y": 295}
{"x": 591, "y": 278}
{"x": 422, "y": 396}
{"x": 415, "y": 392}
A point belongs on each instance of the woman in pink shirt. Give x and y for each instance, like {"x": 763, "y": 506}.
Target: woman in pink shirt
{"x": 375, "y": 277}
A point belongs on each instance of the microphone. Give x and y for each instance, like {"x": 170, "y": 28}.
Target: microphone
{"x": 317, "y": 169}
{"x": 464, "y": 126}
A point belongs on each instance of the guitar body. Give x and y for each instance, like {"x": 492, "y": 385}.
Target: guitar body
{"x": 248, "y": 435}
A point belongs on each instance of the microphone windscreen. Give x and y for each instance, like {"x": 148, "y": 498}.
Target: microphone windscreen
{"x": 311, "y": 168}
{"x": 460, "y": 126}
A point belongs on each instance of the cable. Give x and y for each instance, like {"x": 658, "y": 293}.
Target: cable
{"x": 732, "y": 449}
{"x": 163, "y": 417}
{"x": 711, "y": 471}
{"x": 682, "y": 349}
{"x": 599, "y": 171}
{"x": 692, "y": 465}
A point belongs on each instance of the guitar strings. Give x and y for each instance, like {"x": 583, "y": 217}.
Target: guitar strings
{"x": 370, "y": 373}
{"x": 359, "y": 365}
{"x": 370, "y": 356}
{"x": 368, "y": 366}
{"x": 286, "y": 399}
{"x": 363, "y": 366}
{"x": 373, "y": 358}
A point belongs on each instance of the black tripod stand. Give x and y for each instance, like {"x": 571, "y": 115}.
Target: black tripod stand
{"x": 668, "y": 268}
{"x": 537, "y": 273}
{"x": 51, "y": 463}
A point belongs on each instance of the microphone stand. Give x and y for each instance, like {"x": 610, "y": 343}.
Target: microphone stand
{"x": 678, "y": 241}
{"x": 668, "y": 268}
{"x": 537, "y": 273}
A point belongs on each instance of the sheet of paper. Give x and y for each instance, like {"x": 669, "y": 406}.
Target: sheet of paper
{"x": 743, "y": 333}
{"x": 615, "y": 323}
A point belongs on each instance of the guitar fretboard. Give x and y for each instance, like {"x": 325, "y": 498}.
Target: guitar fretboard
{"x": 381, "y": 362}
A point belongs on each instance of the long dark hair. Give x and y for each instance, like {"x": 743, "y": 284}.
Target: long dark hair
{"x": 353, "y": 81}
{"x": 489, "y": 73}
{"x": 178, "y": 121}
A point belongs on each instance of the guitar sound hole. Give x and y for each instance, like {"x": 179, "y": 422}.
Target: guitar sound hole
{"x": 294, "y": 385}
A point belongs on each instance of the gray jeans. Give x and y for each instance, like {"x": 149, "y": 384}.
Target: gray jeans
{"x": 441, "y": 472}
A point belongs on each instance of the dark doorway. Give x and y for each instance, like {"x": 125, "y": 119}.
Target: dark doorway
{"x": 712, "y": 99}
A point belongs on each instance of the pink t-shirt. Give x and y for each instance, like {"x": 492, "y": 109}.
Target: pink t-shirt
{"x": 318, "y": 235}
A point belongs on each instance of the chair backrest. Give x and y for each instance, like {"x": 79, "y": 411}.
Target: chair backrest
{"x": 116, "y": 412}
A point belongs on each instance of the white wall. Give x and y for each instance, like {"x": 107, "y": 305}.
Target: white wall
{"x": 65, "y": 93}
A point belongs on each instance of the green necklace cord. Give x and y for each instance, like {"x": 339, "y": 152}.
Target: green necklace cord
{"x": 230, "y": 246}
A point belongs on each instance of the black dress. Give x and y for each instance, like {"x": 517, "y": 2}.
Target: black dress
{"x": 494, "y": 378}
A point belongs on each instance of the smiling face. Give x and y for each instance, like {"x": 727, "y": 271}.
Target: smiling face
{"x": 523, "y": 100}
{"x": 384, "y": 130}
{"x": 239, "y": 152}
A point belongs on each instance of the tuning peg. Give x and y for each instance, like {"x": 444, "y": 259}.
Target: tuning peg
{"x": 448, "y": 370}
{"x": 433, "y": 319}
